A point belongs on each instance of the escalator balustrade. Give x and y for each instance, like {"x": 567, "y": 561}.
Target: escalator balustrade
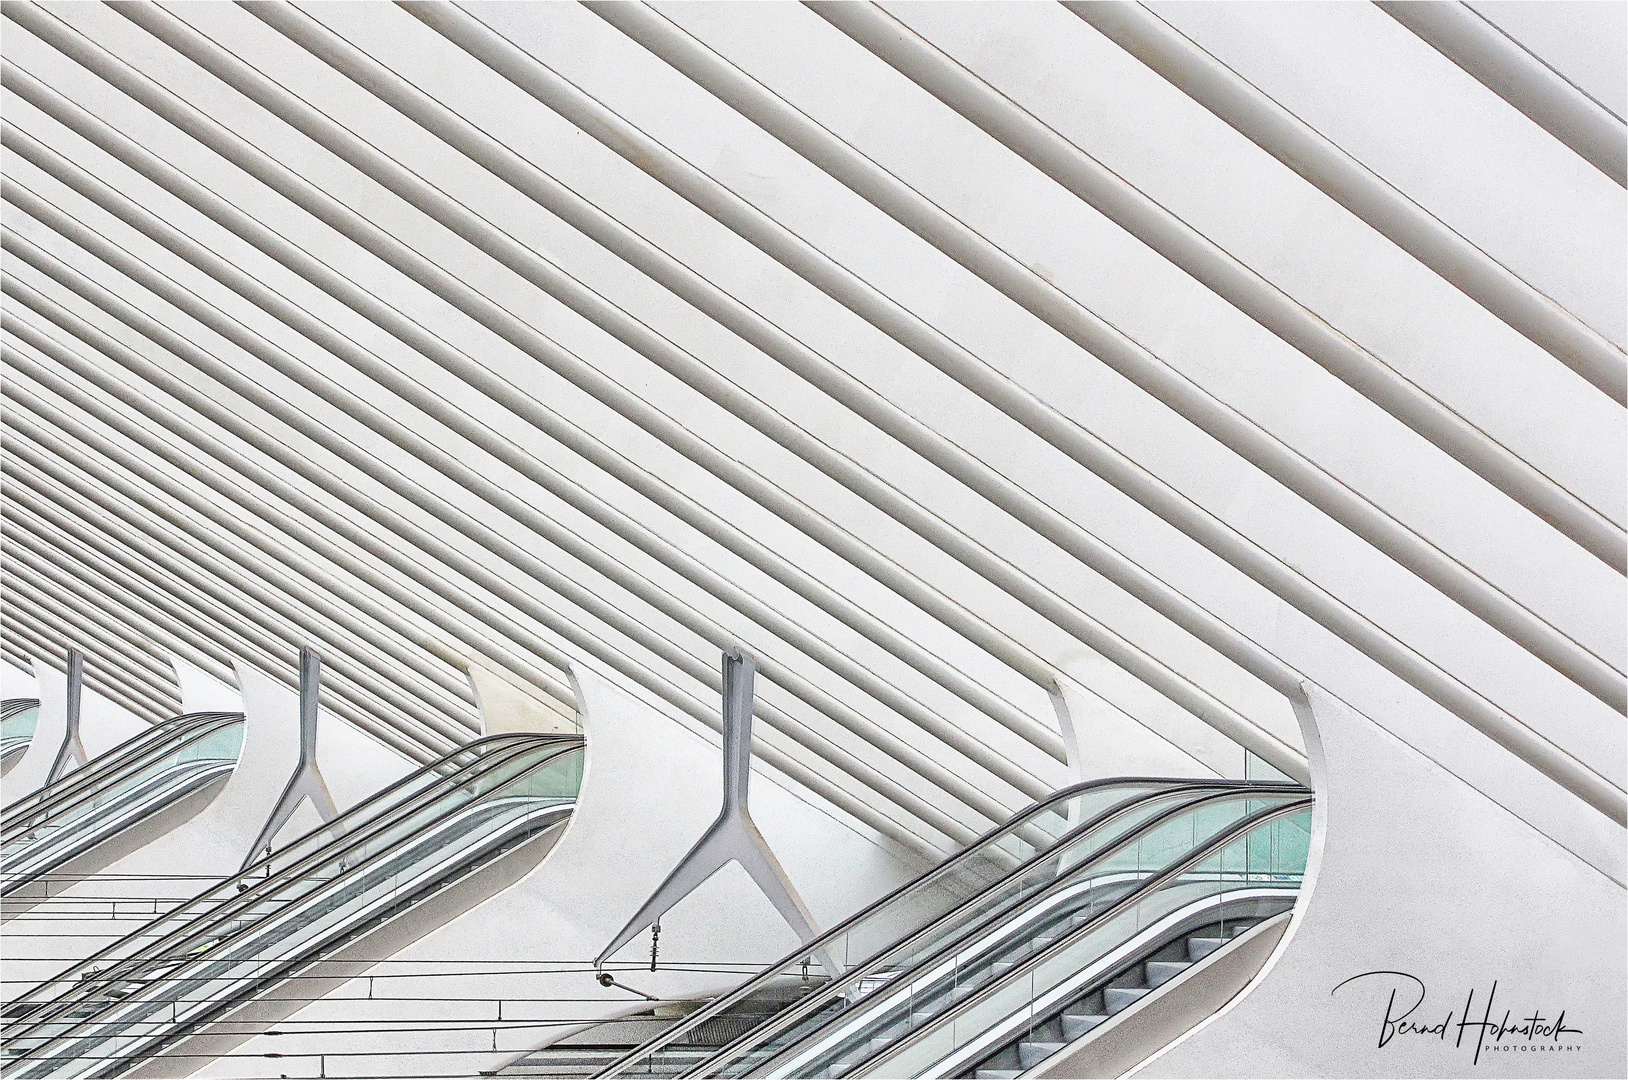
{"x": 1052, "y": 863}
{"x": 54, "y": 824}
{"x": 287, "y": 911}
{"x": 18, "y": 719}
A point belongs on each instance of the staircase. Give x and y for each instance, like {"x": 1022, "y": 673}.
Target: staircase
{"x": 1107, "y": 998}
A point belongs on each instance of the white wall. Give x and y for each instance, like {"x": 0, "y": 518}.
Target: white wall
{"x": 650, "y": 789}
{"x": 1416, "y": 874}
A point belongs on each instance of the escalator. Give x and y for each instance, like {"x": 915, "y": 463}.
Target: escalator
{"x": 1046, "y": 924}
{"x": 54, "y": 824}
{"x": 1162, "y": 953}
{"x": 286, "y": 912}
{"x": 18, "y": 719}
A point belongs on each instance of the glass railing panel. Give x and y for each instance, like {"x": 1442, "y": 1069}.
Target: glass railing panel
{"x": 383, "y": 803}
{"x": 420, "y": 784}
{"x": 1269, "y": 856}
{"x": 906, "y": 911}
{"x": 154, "y": 778}
{"x": 1077, "y": 881}
{"x": 17, "y": 729}
{"x": 103, "y": 769}
{"x": 243, "y": 947}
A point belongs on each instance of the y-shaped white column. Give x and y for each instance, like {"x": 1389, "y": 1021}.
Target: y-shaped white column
{"x": 72, "y": 748}
{"x": 307, "y": 781}
{"x": 732, "y": 837}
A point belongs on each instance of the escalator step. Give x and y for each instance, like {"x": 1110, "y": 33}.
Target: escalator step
{"x": 998, "y": 1074}
{"x": 1200, "y": 947}
{"x": 1119, "y": 998}
{"x": 1077, "y": 1024}
{"x": 1031, "y": 1054}
{"x": 1162, "y": 971}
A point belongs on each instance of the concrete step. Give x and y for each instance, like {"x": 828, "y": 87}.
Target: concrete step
{"x": 1077, "y": 1024}
{"x": 1031, "y": 1054}
{"x": 1160, "y": 972}
{"x": 1119, "y": 998}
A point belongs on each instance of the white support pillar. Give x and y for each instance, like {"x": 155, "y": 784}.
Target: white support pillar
{"x": 732, "y": 837}
{"x": 71, "y": 748}
{"x": 306, "y": 781}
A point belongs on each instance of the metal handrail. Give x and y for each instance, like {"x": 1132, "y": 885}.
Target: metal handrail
{"x": 112, "y": 818}
{"x": 1065, "y": 940}
{"x": 1232, "y": 905}
{"x": 807, "y": 1005}
{"x": 258, "y": 889}
{"x": 312, "y": 951}
{"x": 72, "y": 780}
{"x": 12, "y": 706}
{"x": 950, "y": 865}
{"x": 132, "y": 754}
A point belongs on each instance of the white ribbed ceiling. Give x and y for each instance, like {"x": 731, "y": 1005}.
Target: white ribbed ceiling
{"x": 934, "y": 353}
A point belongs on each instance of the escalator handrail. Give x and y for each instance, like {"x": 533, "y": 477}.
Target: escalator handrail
{"x": 155, "y": 793}
{"x": 258, "y": 890}
{"x": 954, "y": 862}
{"x": 801, "y": 1008}
{"x": 71, "y": 810}
{"x": 105, "y": 980}
{"x": 93, "y": 768}
{"x": 312, "y": 951}
{"x": 88, "y": 773}
{"x": 517, "y": 738}
{"x": 108, "y": 766}
{"x": 1138, "y": 948}
{"x": 92, "y": 985}
{"x": 208, "y": 892}
{"x": 257, "y": 887}
{"x": 1066, "y": 939}
{"x": 13, "y": 706}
